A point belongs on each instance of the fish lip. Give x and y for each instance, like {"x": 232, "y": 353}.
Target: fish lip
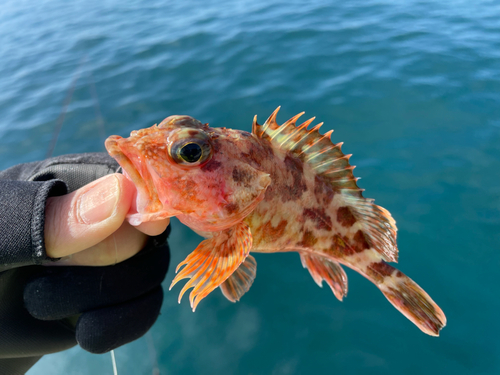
{"x": 147, "y": 200}
{"x": 113, "y": 146}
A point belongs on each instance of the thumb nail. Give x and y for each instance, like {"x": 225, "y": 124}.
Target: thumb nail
{"x": 99, "y": 203}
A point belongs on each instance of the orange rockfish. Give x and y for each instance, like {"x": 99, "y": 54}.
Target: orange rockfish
{"x": 279, "y": 188}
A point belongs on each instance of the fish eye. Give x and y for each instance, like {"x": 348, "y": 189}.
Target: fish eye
{"x": 191, "y": 152}
{"x": 190, "y": 147}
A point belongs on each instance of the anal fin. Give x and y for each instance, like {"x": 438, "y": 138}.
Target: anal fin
{"x": 325, "y": 269}
{"x": 213, "y": 261}
{"x": 240, "y": 281}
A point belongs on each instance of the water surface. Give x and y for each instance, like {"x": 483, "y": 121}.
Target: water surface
{"x": 412, "y": 88}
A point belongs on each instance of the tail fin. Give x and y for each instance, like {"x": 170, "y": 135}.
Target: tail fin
{"x": 406, "y": 296}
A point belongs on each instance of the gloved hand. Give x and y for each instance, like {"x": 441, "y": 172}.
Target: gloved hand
{"x": 117, "y": 303}
{"x": 39, "y": 223}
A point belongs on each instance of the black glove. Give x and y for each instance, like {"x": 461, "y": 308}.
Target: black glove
{"x": 113, "y": 305}
{"x": 118, "y": 304}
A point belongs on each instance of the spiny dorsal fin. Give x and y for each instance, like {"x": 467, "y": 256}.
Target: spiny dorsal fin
{"x": 312, "y": 147}
{"x": 330, "y": 164}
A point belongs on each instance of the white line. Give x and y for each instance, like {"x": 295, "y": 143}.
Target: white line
{"x": 113, "y": 361}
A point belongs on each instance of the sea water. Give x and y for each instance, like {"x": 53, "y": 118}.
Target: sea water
{"x": 411, "y": 87}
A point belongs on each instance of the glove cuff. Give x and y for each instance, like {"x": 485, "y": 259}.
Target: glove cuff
{"x": 23, "y": 221}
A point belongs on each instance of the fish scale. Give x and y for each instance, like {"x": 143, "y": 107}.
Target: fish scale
{"x": 280, "y": 188}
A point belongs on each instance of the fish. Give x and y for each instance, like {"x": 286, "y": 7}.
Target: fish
{"x": 280, "y": 188}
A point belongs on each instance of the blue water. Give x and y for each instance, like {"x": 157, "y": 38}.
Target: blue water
{"x": 411, "y": 87}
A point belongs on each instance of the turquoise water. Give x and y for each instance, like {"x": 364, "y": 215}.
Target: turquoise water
{"x": 411, "y": 87}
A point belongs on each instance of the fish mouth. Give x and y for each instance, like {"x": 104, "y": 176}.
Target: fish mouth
{"x": 136, "y": 170}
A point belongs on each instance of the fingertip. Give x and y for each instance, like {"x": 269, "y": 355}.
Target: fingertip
{"x": 127, "y": 185}
{"x": 127, "y": 193}
{"x": 153, "y": 228}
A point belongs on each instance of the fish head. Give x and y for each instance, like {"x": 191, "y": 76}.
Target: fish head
{"x": 187, "y": 169}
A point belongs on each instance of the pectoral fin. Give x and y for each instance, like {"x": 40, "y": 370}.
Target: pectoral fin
{"x": 325, "y": 269}
{"x": 240, "y": 281}
{"x": 213, "y": 261}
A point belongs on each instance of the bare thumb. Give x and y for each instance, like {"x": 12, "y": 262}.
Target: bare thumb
{"x": 79, "y": 220}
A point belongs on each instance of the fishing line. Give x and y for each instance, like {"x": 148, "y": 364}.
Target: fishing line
{"x": 102, "y": 132}
{"x": 153, "y": 355}
{"x": 67, "y": 101}
{"x": 116, "y": 250}
{"x": 97, "y": 107}
{"x": 100, "y": 121}
{"x": 113, "y": 361}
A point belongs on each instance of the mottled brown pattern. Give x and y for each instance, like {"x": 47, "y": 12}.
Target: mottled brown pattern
{"x": 270, "y": 233}
{"x": 295, "y": 168}
{"x": 319, "y": 217}
{"x": 256, "y": 155}
{"x": 382, "y": 268}
{"x": 216, "y": 145}
{"x": 231, "y": 208}
{"x": 182, "y": 121}
{"x": 338, "y": 247}
{"x": 189, "y": 188}
{"x": 345, "y": 217}
{"x": 407, "y": 296}
{"x": 323, "y": 192}
{"x": 378, "y": 270}
{"x": 250, "y": 159}
{"x": 308, "y": 240}
{"x": 211, "y": 166}
{"x": 342, "y": 247}
{"x": 271, "y": 177}
{"x": 294, "y": 165}
{"x": 360, "y": 242}
{"x": 241, "y": 176}
{"x": 247, "y": 156}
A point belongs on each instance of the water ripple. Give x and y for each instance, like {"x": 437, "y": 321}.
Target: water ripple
{"x": 411, "y": 87}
